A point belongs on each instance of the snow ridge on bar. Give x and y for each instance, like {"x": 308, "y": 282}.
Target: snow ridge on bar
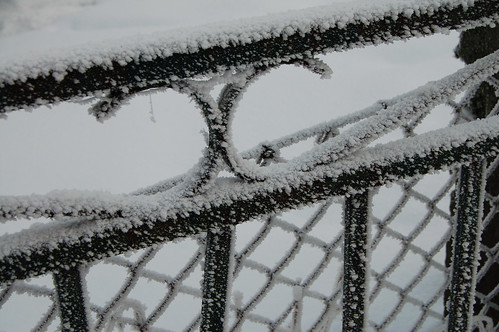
{"x": 130, "y": 66}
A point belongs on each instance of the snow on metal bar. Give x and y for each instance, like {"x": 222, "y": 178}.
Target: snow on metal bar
{"x": 355, "y": 262}
{"x": 37, "y": 251}
{"x": 128, "y": 67}
{"x": 466, "y": 245}
{"x": 71, "y": 296}
{"x": 217, "y": 278}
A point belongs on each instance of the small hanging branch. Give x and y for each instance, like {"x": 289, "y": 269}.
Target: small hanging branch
{"x": 108, "y": 106}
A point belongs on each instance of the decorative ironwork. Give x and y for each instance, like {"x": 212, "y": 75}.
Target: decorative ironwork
{"x": 210, "y": 211}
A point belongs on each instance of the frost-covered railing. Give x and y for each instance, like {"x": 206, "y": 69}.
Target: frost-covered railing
{"x": 89, "y": 227}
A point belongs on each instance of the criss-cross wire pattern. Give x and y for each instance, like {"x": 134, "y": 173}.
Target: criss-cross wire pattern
{"x": 359, "y": 253}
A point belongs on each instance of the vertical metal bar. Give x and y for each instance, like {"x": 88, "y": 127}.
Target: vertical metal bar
{"x": 71, "y": 299}
{"x": 466, "y": 240}
{"x": 355, "y": 267}
{"x": 217, "y": 269}
{"x": 298, "y": 308}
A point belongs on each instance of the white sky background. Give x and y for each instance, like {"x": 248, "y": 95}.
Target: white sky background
{"x": 157, "y": 137}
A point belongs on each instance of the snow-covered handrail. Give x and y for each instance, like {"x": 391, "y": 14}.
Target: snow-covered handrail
{"x": 129, "y": 67}
{"x": 91, "y": 226}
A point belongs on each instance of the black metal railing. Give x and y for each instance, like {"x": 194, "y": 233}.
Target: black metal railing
{"x": 202, "y": 206}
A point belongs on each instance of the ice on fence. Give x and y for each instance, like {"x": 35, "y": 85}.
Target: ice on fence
{"x": 150, "y": 203}
{"x": 147, "y": 48}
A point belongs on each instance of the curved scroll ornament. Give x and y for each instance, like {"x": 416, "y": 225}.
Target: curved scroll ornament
{"x": 404, "y": 112}
{"x": 218, "y": 114}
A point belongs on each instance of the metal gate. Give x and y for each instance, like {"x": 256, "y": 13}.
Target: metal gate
{"x": 339, "y": 261}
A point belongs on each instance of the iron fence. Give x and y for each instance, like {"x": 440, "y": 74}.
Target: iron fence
{"x": 365, "y": 271}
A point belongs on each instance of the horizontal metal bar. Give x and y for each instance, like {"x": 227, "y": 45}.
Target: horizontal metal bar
{"x": 396, "y": 23}
{"x": 357, "y": 173}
